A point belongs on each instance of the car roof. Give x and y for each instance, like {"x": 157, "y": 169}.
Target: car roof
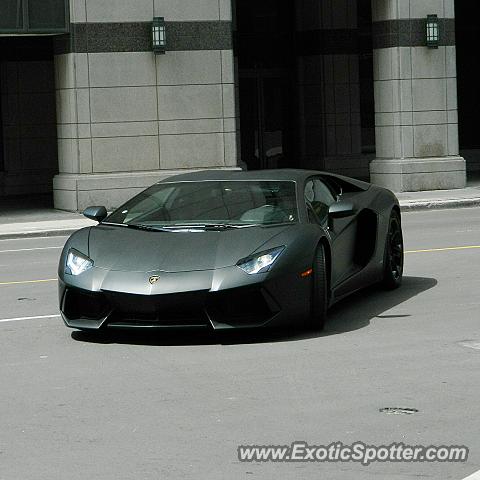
{"x": 286, "y": 174}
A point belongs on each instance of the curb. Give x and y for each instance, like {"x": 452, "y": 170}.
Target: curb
{"x": 409, "y": 206}
{"x": 37, "y": 234}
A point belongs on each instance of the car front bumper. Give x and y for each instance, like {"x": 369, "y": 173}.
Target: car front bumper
{"x": 216, "y": 300}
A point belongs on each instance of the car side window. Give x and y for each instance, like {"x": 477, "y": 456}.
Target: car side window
{"x": 318, "y": 197}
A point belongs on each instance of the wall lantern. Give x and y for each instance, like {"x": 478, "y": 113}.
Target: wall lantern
{"x": 159, "y": 38}
{"x": 433, "y": 31}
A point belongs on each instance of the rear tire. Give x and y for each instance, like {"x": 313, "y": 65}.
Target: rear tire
{"x": 319, "y": 299}
{"x": 393, "y": 257}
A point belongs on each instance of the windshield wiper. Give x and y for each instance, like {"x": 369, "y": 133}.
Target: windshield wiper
{"x": 213, "y": 227}
{"x": 137, "y": 226}
{"x": 114, "y": 224}
{"x": 209, "y": 226}
{"x": 226, "y": 226}
{"x": 147, "y": 228}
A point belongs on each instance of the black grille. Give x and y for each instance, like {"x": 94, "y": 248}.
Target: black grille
{"x": 245, "y": 306}
{"x": 159, "y": 319}
{"x": 236, "y": 307}
{"x": 81, "y": 304}
{"x": 181, "y": 309}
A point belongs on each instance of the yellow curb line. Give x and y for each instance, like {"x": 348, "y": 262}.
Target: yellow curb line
{"x": 443, "y": 249}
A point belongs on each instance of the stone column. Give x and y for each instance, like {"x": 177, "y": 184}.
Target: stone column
{"x": 127, "y": 117}
{"x": 415, "y": 98}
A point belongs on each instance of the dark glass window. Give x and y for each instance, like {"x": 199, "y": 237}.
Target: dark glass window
{"x": 265, "y": 37}
{"x": 36, "y": 16}
{"x": 367, "y": 99}
{"x": 2, "y": 162}
{"x": 46, "y": 14}
{"x": 226, "y": 202}
{"x": 318, "y": 197}
{"x": 467, "y": 38}
{"x": 11, "y": 14}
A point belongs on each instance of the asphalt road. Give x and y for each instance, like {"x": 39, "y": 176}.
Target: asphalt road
{"x": 177, "y": 406}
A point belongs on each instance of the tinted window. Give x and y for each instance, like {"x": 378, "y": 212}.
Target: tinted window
{"x": 46, "y": 14}
{"x": 240, "y": 202}
{"x": 318, "y": 197}
{"x": 11, "y": 14}
{"x": 41, "y": 16}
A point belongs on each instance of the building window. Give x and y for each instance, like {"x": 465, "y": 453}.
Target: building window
{"x": 2, "y": 162}
{"x": 34, "y": 16}
{"x": 367, "y": 101}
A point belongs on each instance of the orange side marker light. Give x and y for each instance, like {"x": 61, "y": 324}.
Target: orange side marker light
{"x": 307, "y": 273}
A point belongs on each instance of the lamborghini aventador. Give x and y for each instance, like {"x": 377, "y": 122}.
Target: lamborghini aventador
{"x": 231, "y": 249}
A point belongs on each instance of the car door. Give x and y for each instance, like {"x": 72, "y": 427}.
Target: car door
{"x": 320, "y": 194}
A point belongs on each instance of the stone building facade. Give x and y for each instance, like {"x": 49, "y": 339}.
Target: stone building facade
{"x": 92, "y": 114}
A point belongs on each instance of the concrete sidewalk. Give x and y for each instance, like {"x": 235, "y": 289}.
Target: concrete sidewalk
{"x": 47, "y": 228}
{"x": 465, "y": 197}
{"x": 40, "y": 220}
{"x": 24, "y": 217}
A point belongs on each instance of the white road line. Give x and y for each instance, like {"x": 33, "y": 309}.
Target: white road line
{"x": 28, "y": 249}
{"x": 473, "y": 476}
{"x": 32, "y": 239}
{"x": 18, "y": 319}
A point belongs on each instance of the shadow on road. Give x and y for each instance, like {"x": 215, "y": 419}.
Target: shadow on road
{"x": 357, "y": 310}
{"x": 353, "y": 313}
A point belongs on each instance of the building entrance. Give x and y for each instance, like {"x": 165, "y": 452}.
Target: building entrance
{"x": 468, "y": 93}
{"x": 266, "y": 62}
{"x": 28, "y": 135}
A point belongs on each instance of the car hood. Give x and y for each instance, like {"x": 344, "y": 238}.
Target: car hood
{"x": 124, "y": 249}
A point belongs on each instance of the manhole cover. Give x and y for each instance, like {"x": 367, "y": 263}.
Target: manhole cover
{"x": 398, "y": 411}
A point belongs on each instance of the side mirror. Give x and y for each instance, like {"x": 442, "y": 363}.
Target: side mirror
{"x": 96, "y": 213}
{"x": 341, "y": 209}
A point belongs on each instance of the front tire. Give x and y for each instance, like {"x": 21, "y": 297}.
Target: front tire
{"x": 319, "y": 301}
{"x": 393, "y": 257}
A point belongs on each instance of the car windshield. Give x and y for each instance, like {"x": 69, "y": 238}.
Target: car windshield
{"x": 210, "y": 203}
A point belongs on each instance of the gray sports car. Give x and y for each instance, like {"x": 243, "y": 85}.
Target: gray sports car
{"x": 231, "y": 249}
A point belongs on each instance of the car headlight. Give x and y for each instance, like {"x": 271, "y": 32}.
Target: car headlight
{"x": 77, "y": 262}
{"x": 260, "y": 262}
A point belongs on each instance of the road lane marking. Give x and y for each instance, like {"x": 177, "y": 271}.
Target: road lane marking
{"x": 470, "y": 344}
{"x": 18, "y": 319}
{"x": 29, "y": 249}
{"x": 28, "y": 281}
{"x": 445, "y": 249}
{"x": 31, "y": 239}
{"x": 473, "y": 476}
{"x": 469, "y": 247}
